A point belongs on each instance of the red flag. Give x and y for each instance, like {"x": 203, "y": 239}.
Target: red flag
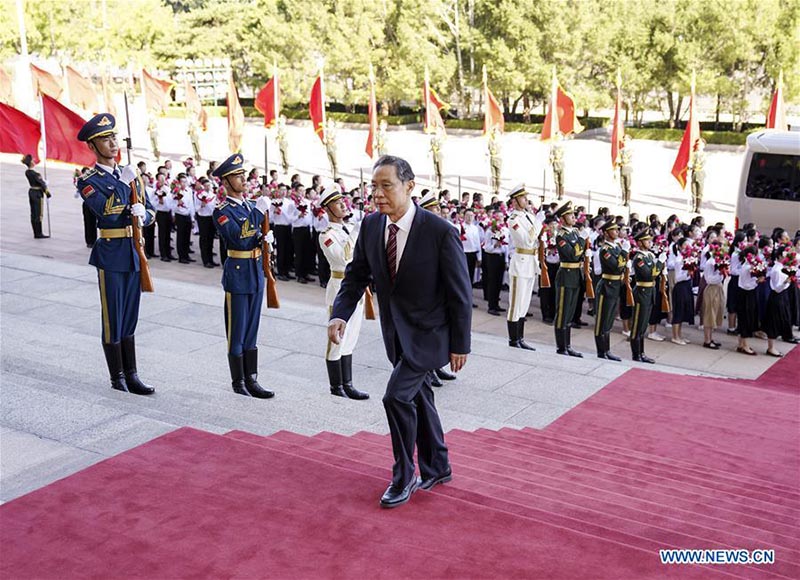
{"x": 776, "y": 117}
{"x": 61, "y": 127}
{"x": 194, "y": 106}
{"x": 6, "y": 88}
{"x": 493, "y": 113}
{"x": 81, "y": 90}
{"x": 690, "y": 137}
{"x": 618, "y": 130}
{"x": 373, "y": 115}
{"x": 156, "y": 92}
{"x": 235, "y": 118}
{"x": 316, "y": 108}
{"x": 564, "y": 121}
{"x": 433, "y": 122}
{"x": 45, "y": 83}
{"x": 268, "y": 100}
{"x": 19, "y": 133}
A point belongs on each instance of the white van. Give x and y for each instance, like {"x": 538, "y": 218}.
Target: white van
{"x": 769, "y": 190}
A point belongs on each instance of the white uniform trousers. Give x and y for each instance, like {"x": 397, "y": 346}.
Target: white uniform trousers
{"x": 348, "y": 342}
{"x": 519, "y": 296}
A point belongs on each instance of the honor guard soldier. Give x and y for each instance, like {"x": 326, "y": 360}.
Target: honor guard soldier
{"x": 238, "y": 223}
{"x": 614, "y": 261}
{"x": 106, "y": 191}
{"x": 646, "y": 270}
{"x": 337, "y": 242}
{"x": 570, "y": 247}
{"x": 698, "y": 167}
{"x": 524, "y": 266}
{"x": 557, "y": 162}
{"x": 626, "y": 170}
{"x": 37, "y": 190}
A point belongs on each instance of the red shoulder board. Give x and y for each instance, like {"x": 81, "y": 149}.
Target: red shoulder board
{"x": 87, "y": 191}
{"x": 562, "y": 243}
{"x": 328, "y": 242}
{"x": 222, "y": 220}
{"x": 516, "y": 226}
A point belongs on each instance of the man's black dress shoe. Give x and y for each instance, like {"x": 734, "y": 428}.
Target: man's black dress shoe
{"x": 396, "y": 496}
{"x": 427, "y": 484}
{"x": 445, "y": 375}
{"x": 184, "y": 261}
{"x": 494, "y": 312}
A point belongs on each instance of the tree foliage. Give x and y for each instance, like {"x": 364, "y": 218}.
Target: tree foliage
{"x": 736, "y": 47}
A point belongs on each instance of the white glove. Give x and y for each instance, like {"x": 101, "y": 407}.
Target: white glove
{"x": 262, "y": 204}
{"x": 626, "y": 245}
{"x": 662, "y": 257}
{"x": 584, "y": 233}
{"x": 127, "y": 174}
{"x": 138, "y": 210}
{"x": 269, "y": 238}
{"x": 589, "y": 253}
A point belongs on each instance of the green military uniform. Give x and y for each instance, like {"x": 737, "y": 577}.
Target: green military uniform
{"x": 557, "y": 161}
{"x": 698, "y": 178}
{"x": 194, "y": 137}
{"x": 569, "y": 278}
{"x": 646, "y": 270}
{"x": 152, "y": 128}
{"x": 283, "y": 145}
{"x": 613, "y": 261}
{"x": 330, "y": 149}
{"x": 436, "y": 151}
{"x": 625, "y": 175}
{"x": 496, "y": 163}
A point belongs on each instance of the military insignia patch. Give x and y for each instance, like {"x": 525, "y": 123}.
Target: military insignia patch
{"x": 247, "y": 230}
{"x": 87, "y": 191}
{"x": 328, "y": 242}
{"x": 222, "y": 220}
{"x": 104, "y": 122}
{"x": 237, "y": 160}
{"x": 562, "y": 243}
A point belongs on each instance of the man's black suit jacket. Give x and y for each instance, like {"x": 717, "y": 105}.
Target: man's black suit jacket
{"x": 427, "y": 312}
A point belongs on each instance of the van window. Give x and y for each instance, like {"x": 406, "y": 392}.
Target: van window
{"x": 773, "y": 176}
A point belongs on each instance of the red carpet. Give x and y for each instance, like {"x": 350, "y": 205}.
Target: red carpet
{"x": 651, "y": 461}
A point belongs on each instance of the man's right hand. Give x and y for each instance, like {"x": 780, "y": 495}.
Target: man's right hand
{"x": 336, "y": 330}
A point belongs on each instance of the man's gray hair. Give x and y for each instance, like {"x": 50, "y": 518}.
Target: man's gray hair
{"x": 401, "y": 166}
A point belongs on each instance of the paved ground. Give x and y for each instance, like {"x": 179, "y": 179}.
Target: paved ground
{"x": 58, "y": 414}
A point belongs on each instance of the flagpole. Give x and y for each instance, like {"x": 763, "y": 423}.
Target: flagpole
{"x": 44, "y": 157}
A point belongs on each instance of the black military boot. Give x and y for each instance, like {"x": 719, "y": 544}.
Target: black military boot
{"x": 521, "y": 336}
{"x": 568, "y": 343}
{"x": 513, "y": 338}
{"x": 643, "y": 357}
{"x": 335, "y": 377}
{"x": 113, "y": 352}
{"x": 251, "y": 376}
{"x": 600, "y": 346}
{"x": 636, "y": 351}
{"x": 135, "y": 386}
{"x": 347, "y": 380}
{"x": 607, "y": 344}
{"x": 236, "y": 365}
{"x": 445, "y": 375}
{"x": 561, "y": 341}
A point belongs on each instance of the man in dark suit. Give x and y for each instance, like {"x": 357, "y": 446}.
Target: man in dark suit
{"x": 417, "y": 264}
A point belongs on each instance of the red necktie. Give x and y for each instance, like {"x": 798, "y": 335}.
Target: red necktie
{"x": 391, "y": 251}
